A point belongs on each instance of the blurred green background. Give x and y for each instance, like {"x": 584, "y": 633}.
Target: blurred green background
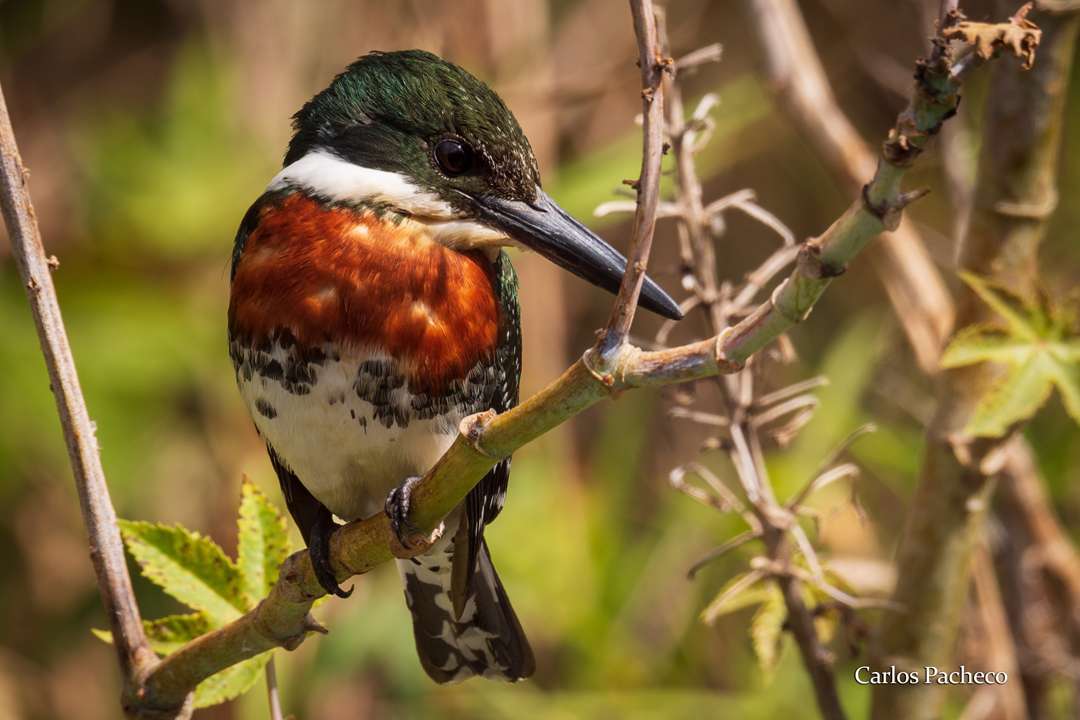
{"x": 150, "y": 126}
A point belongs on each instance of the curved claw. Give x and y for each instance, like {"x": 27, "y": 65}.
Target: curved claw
{"x": 397, "y": 509}
{"x": 319, "y": 550}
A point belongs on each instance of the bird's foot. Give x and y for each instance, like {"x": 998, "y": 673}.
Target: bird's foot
{"x": 319, "y": 550}
{"x": 397, "y": 508}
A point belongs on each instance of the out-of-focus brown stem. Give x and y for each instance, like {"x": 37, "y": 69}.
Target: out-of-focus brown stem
{"x": 911, "y": 280}
{"x": 1040, "y": 573}
{"x": 995, "y": 636}
{"x": 106, "y": 548}
{"x": 1014, "y": 197}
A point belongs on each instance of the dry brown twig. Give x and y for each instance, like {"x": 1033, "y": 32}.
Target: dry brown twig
{"x": 106, "y": 548}
{"x": 161, "y": 688}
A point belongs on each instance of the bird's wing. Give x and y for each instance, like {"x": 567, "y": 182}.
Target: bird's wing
{"x": 485, "y": 500}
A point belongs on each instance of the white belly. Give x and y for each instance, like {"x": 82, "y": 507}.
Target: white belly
{"x": 345, "y": 450}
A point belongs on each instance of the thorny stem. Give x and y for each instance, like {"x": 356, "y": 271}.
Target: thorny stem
{"x": 653, "y": 66}
{"x": 282, "y": 619}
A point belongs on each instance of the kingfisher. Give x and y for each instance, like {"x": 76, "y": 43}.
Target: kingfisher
{"x": 373, "y": 306}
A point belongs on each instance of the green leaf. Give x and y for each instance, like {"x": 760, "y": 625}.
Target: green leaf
{"x": 1036, "y": 355}
{"x": 739, "y": 592}
{"x": 263, "y": 543}
{"x": 170, "y": 633}
{"x": 191, "y": 568}
{"x": 231, "y": 682}
{"x": 825, "y": 624}
{"x": 167, "y": 634}
{"x": 1016, "y": 322}
{"x": 766, "y": 627}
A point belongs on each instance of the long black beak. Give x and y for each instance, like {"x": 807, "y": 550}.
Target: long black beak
{"x": 546, "y": 228}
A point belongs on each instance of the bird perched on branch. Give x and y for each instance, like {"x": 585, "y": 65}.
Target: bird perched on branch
{"x": 373, "y": 307}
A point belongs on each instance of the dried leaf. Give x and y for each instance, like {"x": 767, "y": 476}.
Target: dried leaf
{"x": 1019, "y": 36}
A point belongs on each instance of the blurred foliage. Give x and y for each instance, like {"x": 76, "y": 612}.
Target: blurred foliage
{"x": 1038, "y": 350}
{"x": 150, "y": 126}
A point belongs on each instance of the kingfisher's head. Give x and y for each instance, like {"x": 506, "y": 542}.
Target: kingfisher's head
{"x": 410, "y": 133}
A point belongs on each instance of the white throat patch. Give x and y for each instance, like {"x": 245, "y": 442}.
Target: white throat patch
{"x": 329, "y": 176}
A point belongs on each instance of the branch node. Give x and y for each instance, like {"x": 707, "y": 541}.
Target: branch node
{"x": 890, "y": 211}
{"x": 472, "y": 429}
{"x": 810, "y": 264}
{"x": 774, "y": 300}
{"x": 725, "y": 364}
{"x": 418, "y": 543}
{"x": 598, "y": 368}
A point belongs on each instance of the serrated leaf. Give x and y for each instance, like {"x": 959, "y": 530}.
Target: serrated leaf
{"x": 739, "y": 592}
{"x": 170, "y": 633}
{"x": 263, "y": 542}
{"x": 189, "y": 567}
{"x": 231, "y": 682}
{"x": 766, "y": 627}
{"x": 1036, "y": 355}
{"x": 1016, "y": 397}
{"x": 167, "y": 634}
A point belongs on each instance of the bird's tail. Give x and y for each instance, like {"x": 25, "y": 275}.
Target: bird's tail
{"x": 486, "y": 639}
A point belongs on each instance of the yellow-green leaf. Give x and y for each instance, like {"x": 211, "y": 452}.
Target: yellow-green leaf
{"x": 824, "y": 623}
{"x": 191, "y": 568}
{"x": 766, "y": 627}
{"x": 739, "y": 592}
{"x": 167, "y": 634}
{"x": 1035, "y": 352}
{"x": 170, "y": 633}
{"x": 232, "y": 682}
{"x": 263, "y": 542}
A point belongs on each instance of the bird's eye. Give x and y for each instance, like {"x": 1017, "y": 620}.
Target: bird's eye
{"x": 453, "y": 156}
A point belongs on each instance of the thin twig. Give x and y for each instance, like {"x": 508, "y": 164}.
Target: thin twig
{"x": 716, "y": 553}
{"x": 701, "y": 56}
{"x": 106, "y": 548}
{"x": 791, "y": 390}
{"x": 272, "y": 695}
{"x": 653, "y": 65}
